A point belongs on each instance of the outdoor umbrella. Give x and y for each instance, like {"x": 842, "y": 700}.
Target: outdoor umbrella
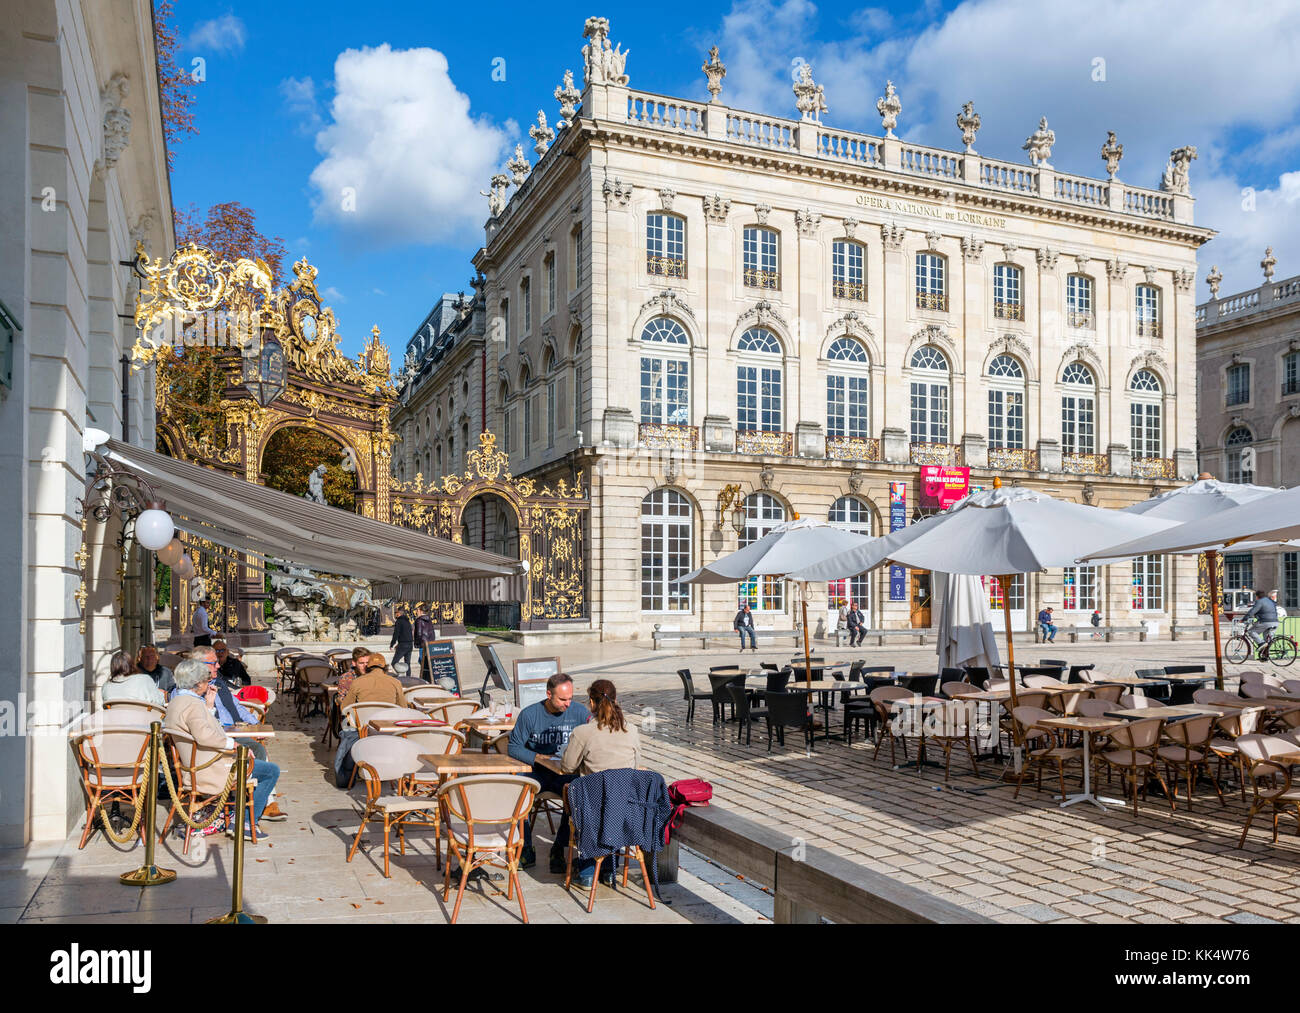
{"x": 965, "y": 631}
{"x": 999, "y": 531}
{"x": 1260, "y": 516}
{"x": 786, "y": 547}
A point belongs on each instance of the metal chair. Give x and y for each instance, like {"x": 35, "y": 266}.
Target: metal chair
{"x": 745, "y": 714}
{"x": 483, "y": 816}
{"x": 788, "y": 710}
{"x": 690, "y": 694}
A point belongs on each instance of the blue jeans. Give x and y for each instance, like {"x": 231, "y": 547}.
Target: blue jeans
{"x": 343, "y": 764}
{"x": 550, "y": 781}
{"x": 266, "y": 774}
{"x": 753, "y": 639}
{"x": 1049, "y": 631}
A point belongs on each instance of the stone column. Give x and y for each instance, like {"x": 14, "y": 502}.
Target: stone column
{"x": 1049, "y": 455}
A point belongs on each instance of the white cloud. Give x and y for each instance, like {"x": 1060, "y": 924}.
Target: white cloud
{"x": 402, "y": 143}
{"x": 1245, "y": 232}
{"x": 333, "y": 295}
{"x": 299, "y": 96}
{"x": 224, "y": 34}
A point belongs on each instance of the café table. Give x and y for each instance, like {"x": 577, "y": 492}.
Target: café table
{"x": 1089, "y": 727}
{"x": 486, "y": 728}
{"x": 917, "y": 704}
{"x": 1180, "y": 712}
{"x": 824, "y": 688}
{"x": 244, "y": 730}
{"x": 389, "y": 725}
{"x": 474, "y": 763}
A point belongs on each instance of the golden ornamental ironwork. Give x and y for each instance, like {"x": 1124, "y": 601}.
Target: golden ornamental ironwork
{"x": 757, "y": 441}
{"x": 1017, "y": 458}
{"x": 932, "y": 301}
{"x": 1085, "y": 464}
{"x": 935, "y": 453}
{"x": 1154, "y": 467}
{"x": 665, "y": 267}
{"x": 852, "y": 448}
{"x": 755, "y": 278}
{"x": 661, "y": 436}
{"x": 856, "y": 290}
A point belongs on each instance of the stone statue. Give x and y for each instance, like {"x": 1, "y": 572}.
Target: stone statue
{"x": 349, "y": 461}
{"x": 968, "y": 121}
{"x": 889, "y": 107}
{"x": 1178, "y": 171}
{"x": 1111, "y": 152}
{"x": 567, "y": 95}
{"x": 1039, "y": 145}
{"x": 1268, "y": 263}
{"x": 518, "y": 165}
{"x": 601, "y": 62}
{"x": 116, "y": 119}
{"x": 809, "y": 97}
{"x": 1214, "y": 279}
{"x": 497, "y": 197}
{"x": 316, "y": 485}
{"x": 541, "y": 134}
{"x": 715, "y": 70}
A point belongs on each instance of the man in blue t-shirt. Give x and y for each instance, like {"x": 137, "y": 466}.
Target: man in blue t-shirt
{"x": 543, "y": 729}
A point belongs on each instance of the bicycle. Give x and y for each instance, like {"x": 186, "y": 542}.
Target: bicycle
{"x": 1277, "y": 648}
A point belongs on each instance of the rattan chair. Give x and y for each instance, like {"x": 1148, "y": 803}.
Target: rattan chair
{"x": 1233, "y": 725}
{"x": 954, "y": 724}
{"x": 1270, "y": 782}
{"x": 187, "y": 759}
{"x": 1133, "y": 753}
{"x": 426, "y": 697}
{"x": 483, "y": 818}
{"x": 882, "y": 698}
{"x": 113, "y": 760}
{"x": 151, "y": 710}
{"x": 311, "y": 675}
{"x": 453, "y": 711}
{"x": 1188, "y": 747}
{"x": 391, "y": 758}
{"x": 628, "y": 855}
{"x": 1025, "y": 720}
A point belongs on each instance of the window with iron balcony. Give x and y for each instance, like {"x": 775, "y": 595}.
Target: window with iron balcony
{"x": 1078, "y": 302}
{"x": 931, "y": 289}
{"x": 1238, "y": 384}
{"x": 665, "y": 249}
{"x": 1291, "y": 373}
{"x": 761, "y": 266}
{"x": 1148, "y": 311}
{"x": 1006, "y": 292}
{"x": 847, "y": 277}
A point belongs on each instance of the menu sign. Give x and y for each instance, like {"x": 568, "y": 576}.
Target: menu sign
{"x": 440, "y": 661}
{"x": 530, "y": 678}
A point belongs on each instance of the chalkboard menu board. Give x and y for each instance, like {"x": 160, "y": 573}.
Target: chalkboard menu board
{"x": 441, "y": 659}
{"x": 530, "y": 678}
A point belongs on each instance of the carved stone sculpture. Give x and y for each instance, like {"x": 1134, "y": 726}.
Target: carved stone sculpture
{"x": 716, "y": 208}
{"x": 518, "y": 165}
{"x": 807, "y": 222}
{"x": 666, "y": 198}
{"x": 497, "y": 196}
{"x": 715, "y": 70}
{"x": 972, "y": 248}
{"x": 117, "y": 119}
{"x": 617, "y": 192}
{"x": 541, "y": 134}
{"x": 1178, "y": 171}
{"x": 892, "y": 235}
{"x": 1268, "y": 263}
{"x": 1047, "y": 258}
{"x": 1214, "y": 279}
{"x": 1039, "y": 145}
{"x": 968, "y": 122}
{"x": 316, "y": 485}
{"x": 850, "y": 226}
{"x": 809, "y": 97}
{"x": 1111, "y": 152}
{"x": 601, "y": 63}
{"x": 1116, "y": 269}
{"x": 889, "y": 107}
{"x": 762, "y": 211}
{"x": 567, "y": 95}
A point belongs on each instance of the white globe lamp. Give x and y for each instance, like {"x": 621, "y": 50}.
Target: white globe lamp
{"x": 185, "y": 568}
{"x": 154, "y": 528}
{"x": 170, "y": 554}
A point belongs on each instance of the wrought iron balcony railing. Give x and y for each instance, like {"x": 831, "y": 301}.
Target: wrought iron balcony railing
{"x": 1148, "y": 328}
{"x": 754, "y": 278}
{"x": 1154, "y": 467}
{"x": 1013, "y": 458}
{"x": 1085, "y": 464}
{"x": 852, "y": 448}
{"x": 1008, "y": 311}
{"x": 757, "y": 441}
{"x": 665, "y": 267}
{"x": 661, "y": 436}
{"x": 1081, "y": 318}
{"x": 948, "y": 454}
{"x": 849, "y": 290}
{"x": 932, "y": 301}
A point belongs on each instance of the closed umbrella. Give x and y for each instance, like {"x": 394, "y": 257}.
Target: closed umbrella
{"x": 786, "y": 547}
{"x": 999, "y": 531}
{"x": 965, "y": 631}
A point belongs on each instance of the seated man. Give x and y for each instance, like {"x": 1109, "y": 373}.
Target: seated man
{"x": 148, "y": 661}
{"x": 230, "y": 667}
{"x": 375, "y": 686}
{"x": 190, "y": 712}
{"x": 543, "y": 729}
{"x": 1045, "y": 623}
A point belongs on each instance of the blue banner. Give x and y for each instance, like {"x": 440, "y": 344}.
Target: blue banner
{"x": 897, "y": 521}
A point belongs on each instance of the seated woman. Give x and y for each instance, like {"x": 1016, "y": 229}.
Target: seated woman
{"x": 148, "y": 661}
{"x": 126, "y": 682}
{"x": 191, "y": 713}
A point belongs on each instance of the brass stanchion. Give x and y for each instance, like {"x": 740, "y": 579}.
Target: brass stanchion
{"x": 149, "y": 874}
{"x": 237, "y": 915}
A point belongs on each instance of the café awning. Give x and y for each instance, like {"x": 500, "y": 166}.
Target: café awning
{"x": 242, "y": 515}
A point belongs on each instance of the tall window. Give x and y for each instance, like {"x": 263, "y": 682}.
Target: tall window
{"x": 931, "y": 289}
{"x": 577, "y": 399}
{"x": 998, "y": 597}
{"x": 1239, "y": 384}
{"x": 550, "y": 412}
{"x": 851, "y": 515}
{"x": 507, "y": 434}
{"x": 1006, "y": 292}
{"x": 1078, "y": 301}
{"x": 1290, "y": 580}
{"x": 525, "y": 299}
{"x": 550, "y": 283}
{"x": 1237, "y": 439}
{"x": 665, "y": 245}
{"x": 1078, "y": 410}
{"x": 847, "y": 278}
{"x": 929, "y": 396}
{"x": 1291, "y": 373}
{"x": 1239, "y": 571}
{"x": 665, "y": 551}
{"x": 764, "y": 593}
{"x": 665, "y": 373}
{"x": 451, "y": 453}
{"x": 1006, "y": 403}
{"x": 758, "y": 382}
{"x": 762, "y": 268}
{"x": 1080, "y": 589}
{"x": 846, "y": 390}
{"x": 1144, "y": 414}
{"x": 528, "y": 425}
{"x": 1148, "y": 311}
{"x": 1148, "y": 592}
{"x": 505, "y": 324}
{"x": 575, "y": 238}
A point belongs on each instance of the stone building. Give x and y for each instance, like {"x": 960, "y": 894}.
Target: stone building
{"x": 85, "y": 176}
{"x": 1248, "y": 423}
{"x": 721, "y": 319}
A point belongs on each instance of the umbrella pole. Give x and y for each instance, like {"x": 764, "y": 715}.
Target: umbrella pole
{"x": 807, "y": 650}
{"x": 1011, "y": 650}
{"x": 1212, "y": 561}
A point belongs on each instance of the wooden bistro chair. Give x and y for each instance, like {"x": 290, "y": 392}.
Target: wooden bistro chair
{"x": 187, "y": 759}
{"x": 690, "y": 694}
{"x": 1231, "y": 726}
{"x": 442, "y": 741}
{"x": 113, "y": 758}
{"x": 391, "y": 758}
{"x": 1133, "y": 753}
{"x": 483, "y": 817}
{"x": 955, "y": 725}
{"x": 150, "y": 711}
{"x": 629, "y": 855}
{"x": 882, "y": 698}
{"x": 1270, "y": 781}
{"x": 1187, "y": 748}
{"x": 453, "y": 711}
{"x": 1042, "y": 746}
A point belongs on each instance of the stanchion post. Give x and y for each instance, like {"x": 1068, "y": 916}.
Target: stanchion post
{"x": 236, "y": 915}
{"x": 149, "y": 874}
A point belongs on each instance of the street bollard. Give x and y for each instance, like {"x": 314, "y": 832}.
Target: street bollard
{"x": 149, "y": 874}
{"x": 237, "y": 915}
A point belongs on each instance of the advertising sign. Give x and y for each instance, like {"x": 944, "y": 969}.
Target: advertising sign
{"x": 942, "y": 486}
{"x": 897, "y": 521}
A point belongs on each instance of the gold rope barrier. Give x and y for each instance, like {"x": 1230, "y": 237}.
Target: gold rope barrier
{"x": 237, "y": 915}
{"x": 149, "y": 874}
{"x": 176, "y": 798}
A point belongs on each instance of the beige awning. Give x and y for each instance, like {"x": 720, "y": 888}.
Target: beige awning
{"x": 252, "y": 518}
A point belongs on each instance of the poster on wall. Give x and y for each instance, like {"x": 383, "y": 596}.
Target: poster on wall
{"x": 942, "y": 486}
{"x": 897, "y": 521}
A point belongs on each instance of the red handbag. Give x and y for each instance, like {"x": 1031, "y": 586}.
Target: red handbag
{"x": 692, "y": 791}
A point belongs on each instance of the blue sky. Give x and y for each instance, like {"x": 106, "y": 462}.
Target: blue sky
{"x": 401, "y": 106}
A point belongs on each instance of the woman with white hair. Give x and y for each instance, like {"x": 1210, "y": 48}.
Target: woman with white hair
{"x": 191, "y": 712}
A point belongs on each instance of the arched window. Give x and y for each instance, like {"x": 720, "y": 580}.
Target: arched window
{"x": 1144, "y": 415}
{"x": 848, "y": 280}
{"x": 1238, "y": 438}
{"x": 665, "y": 551}
{"x": 507, "y": 417}
{"x": 764, "y": 593}
{"x": 930, "y": 379}
{"x": 931, "y": 282}
{"x": 665, "y": 373}
{"x": 1007, "y": 290}
{"x": 850, "y": 514}
{"x": 1078, "y": 410}
{"x": 758, "y": 382}
{"x": 762, "y": 264}
{"x": 548, "y": 367}
{"x": 846, "y": 390}
{"x": 1147, "y": 305}
{"x": 665, "y": 245}
{"x": 1078, "y": 301}
{"x": 1006, "y": 403}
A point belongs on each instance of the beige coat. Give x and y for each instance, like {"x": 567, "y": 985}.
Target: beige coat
{"x": 374, "y": 687}
{"x": 190, "y": 716}
{"x": 591, "y": 749}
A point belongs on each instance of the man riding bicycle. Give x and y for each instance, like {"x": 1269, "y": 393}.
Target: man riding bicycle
{"x": 1261, "y": 619}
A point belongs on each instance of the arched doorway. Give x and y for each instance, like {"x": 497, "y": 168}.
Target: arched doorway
{"x": 490, "y": 522}
{"x": 293, "y": 453}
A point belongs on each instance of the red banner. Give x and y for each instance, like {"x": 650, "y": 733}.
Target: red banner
{"x": 942, "y": 486}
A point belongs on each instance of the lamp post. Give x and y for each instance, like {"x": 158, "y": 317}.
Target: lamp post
{"x": 263, "y": 370}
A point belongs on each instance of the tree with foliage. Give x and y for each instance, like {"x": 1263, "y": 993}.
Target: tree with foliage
{"x": 230, "y": 231}
{"x": 174, "y": 84}
{"x": 292, "y": 454}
